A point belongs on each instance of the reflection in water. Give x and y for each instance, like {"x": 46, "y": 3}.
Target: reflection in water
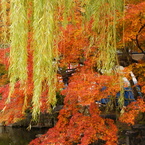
{"x": 18, "y": 136}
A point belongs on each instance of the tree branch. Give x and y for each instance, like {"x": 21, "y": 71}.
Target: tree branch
{"x": 137, "y": 41}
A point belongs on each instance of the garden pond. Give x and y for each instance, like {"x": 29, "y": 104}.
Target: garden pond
{"x": 19, "y": 136}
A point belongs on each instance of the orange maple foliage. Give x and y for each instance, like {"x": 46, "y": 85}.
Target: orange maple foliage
{"x": 73, "y": 44}
{"x": 134, "y": 26}
{"x": 79, "y": 120}
{"x": 132, "y": 111}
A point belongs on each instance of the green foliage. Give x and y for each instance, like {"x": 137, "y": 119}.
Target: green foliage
{"x": 104, "y": 15}
{"x": 4, "y": 20}
{"x": 18, "y": 38}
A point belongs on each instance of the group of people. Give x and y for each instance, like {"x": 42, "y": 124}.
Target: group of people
{"x": 127, "y": 91}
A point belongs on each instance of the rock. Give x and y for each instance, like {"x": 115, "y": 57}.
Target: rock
{"x": 109, "y": 116}
{"x": 39, "y": 135}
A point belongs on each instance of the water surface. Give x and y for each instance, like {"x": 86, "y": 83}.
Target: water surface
{"x": 18, "y": 136}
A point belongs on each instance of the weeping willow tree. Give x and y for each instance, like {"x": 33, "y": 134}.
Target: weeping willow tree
{"x": 44, "y": 27}
{"x": 104, "y": 14}
{"x": 4, "y": 32}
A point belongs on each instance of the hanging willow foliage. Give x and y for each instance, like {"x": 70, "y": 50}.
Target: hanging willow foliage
{"x": 18, "y": 38}
{"x": 104, "y": 23}
{"x": 45, "y": 54}
{"x": 4, "y": 20}
{"x": 104, "y": 16}
{"x": 45, "y": 67}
